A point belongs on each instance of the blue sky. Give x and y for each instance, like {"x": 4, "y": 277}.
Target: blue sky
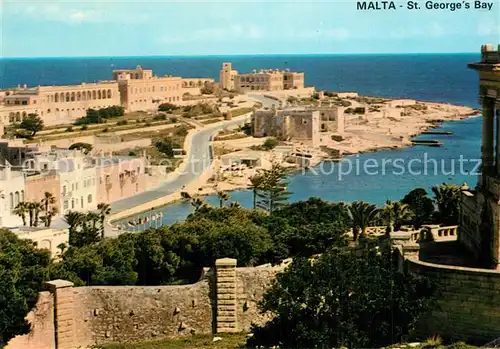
{"x": 159, "y": 27}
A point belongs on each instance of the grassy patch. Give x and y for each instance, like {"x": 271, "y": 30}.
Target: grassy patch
{"x": 240, "y": 111}
{"x": 229, "y": 341}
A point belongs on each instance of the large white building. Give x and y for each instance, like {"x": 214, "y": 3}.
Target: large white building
{"x": 12, "y": 189}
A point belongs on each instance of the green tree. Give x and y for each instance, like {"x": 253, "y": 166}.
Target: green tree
{"x": 167, "y": 107}
{"x": 270, "y": 143}
{"x": 50, "y": 210}
{"x": 395, "y": 214}
{"x": 447, "y": 200}
{"x": 257, "y": 184}
{"x": 362, "y": 215}
{"x": 222, "y": 196}
{"x": 32, "y": 123}
{"x": 341, "y": 300}
{"x": 104, "y": 210}
{"x": 273, "y": 193}
{"x": 165, "y": 146}
{"x": 23, "y": 270}
{"x": 86, "y": 147}
{"x": 20, "y": 210}
{"x": 83, "y": 228}
{"x": 421, "y": 205}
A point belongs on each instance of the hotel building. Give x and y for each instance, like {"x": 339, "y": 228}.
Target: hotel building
{"x": 135, "y": 90}
{"x": 262, "y": 80}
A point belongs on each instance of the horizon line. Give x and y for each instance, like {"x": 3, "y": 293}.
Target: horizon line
{"x": 241, "y": 54}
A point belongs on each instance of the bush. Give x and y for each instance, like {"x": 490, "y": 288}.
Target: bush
{"x": 105, "y": 130}
{"x": 167, "y": 107}
{"x": 174, "y": 120}
{"x": 147, "y": 124}
{"x": 160, "y": 117}
{"x": 270, "y": 143}
{"x": 69, "y": 129}
{"x": 84, "y": 128}
{"x": 86, "y": 147}
{"x": 121, "y": 122}
{"x": 132, "y": 153}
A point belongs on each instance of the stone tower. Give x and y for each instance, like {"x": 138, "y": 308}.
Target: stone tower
{"x": 480, "y": 209}
{"x": 226, "y": 78}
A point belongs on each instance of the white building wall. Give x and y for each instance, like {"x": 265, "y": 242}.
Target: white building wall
{"x": 12, "y": 189}
{"x": 78, "y": 189}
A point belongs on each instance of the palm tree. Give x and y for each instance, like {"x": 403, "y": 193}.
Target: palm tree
{"x": 223, "y": 196}
{"x": 21, "y": 210}
{"x": 47, "y": 219}
{"x": 198, "y": 203}
{"x": 91, "y": 219}
{"x": 362, "y": 214}
{"x": 47, "y": 201}
{"x": 257, "y": 183}
{"x": 31, "y": 211}
{"x": 447, "y": 200}
{"x": 37, "y": 208}
{"x": 234, "y": 205}
{"x": 104, "y": 210}
{"x": 74, "y": 220}
{"x": 395, "y": 213}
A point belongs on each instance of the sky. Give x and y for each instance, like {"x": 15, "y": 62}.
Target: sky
{"x": 70, "y": 28}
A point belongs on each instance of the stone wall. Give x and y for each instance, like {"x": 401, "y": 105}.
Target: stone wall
{"x": 224, "y": 300}
{"x": 468, "y": 302}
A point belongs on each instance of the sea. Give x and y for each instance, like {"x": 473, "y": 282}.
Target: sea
{"x": 372, "y": 177}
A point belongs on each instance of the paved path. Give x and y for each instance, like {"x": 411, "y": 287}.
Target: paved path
{"x": 200, "y": 158}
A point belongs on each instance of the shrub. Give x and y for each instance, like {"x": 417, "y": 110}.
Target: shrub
{"x": 84, "y": 127}
{"x": 86, "y": 147}
{"x": 105, "y": 130}
{"x": 69, "y": 129}
{"x": 174, "y": 120}
{"x": 132, "y": 153}
{"x": 147, "y": 124}
{"x": 121, "y": 122}
{"x": 167, "y": 107}
{"x": 160, "y": 117}
{"x": 270, "y": 143}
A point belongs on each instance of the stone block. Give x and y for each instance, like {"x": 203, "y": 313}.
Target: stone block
{"x": 226, "y": 319}
{"x": 226, "y": 296}
{"x": 223, "y": 279}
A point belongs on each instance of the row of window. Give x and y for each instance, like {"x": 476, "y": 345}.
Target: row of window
{"x": 15, "y": 198}
{"x": 74, "y": 202}
{"x": 152, "y": 89}
{"x": 19, "y": 116}
{"x": 169, "y": 99}
{"x": 79, "y": 96}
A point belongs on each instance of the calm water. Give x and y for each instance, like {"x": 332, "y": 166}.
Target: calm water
{"x": 442, "y": 78}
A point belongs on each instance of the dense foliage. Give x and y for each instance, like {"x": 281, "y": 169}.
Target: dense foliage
{"x": 98, "y": 116}
{"x": 32, "y": 123}
{"x": 342, "y": 299}
{"x": 23, "y": 269}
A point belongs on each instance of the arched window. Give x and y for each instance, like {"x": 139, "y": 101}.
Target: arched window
{"x": 78, "y": 96}
{"x": 89, "y": 95}
{"x": 18, "y": 116}
{"x": 103, "y": 94}
{"x": 98, "y": 94}
{"x": 68, "y": 98}
{"x": 61, "y": 97}
{"x": 109, "y": 93}
{"x": 94, "y": 95}
{"x": 72, "y": 97}
{"x": 89, "y": 199}
{"x": 56, "y": 98}
{"x": 16, "y": 198}
{"x": 12, "y": 117}
{"x": 11, "y": 201}
{"x": 22, "y": 195}
{"x": 153, "y": 89}
{"x": 24, "y": 115}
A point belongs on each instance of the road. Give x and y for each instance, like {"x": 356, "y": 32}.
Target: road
{"x": 199, "y": 159}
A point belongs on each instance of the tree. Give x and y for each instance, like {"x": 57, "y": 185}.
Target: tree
{"x": 23, "y": 270}
{"x": 198, "y": 204}
{"x": 447, "y": 200}
{"x": 273, "y": 193}
{"x": 165, "y": 146}
{"x": 341, "y": 300}
{"x": 421, "y": 205}
{"x": 395, "y": 214}
{"x": 50, "y": 210}
{"x": 32, "y": 123}
{"x": 257, "y": 184}
{"x": 104, "y": 210}
{"x": 86, "y": 147}
{"x": 270, "y": 143}
{"x": 362, "y": 215}
{"x": 83, "y": 228}
{"x": 20, "y": 210}
{"x": 208, "y": 89}
{"x": 167, "y": 107}
{"x": 223, "y": 196}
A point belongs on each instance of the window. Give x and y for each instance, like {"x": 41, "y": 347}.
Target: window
{"x": 72, "y": 203}
{"x": 81, "y": 201}
{"x": 16, "y": 198}
{"x": 22, "y": 195}
{"x": 64, "y": 190}
{"x": 89, "y": 199}
{"x": 11, "y": 201}
{"x": 65, "y": 205}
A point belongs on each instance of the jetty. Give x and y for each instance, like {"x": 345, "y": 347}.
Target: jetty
{"x": 437, "y": 133}
{"x": 429, "y": 142}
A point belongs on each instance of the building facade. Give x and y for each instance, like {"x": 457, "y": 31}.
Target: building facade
{"x": 262, "y": 80}
{"x": 58, "y": 104}
{"x": 45, "y": 238}
{"x": 480, "y": 208}
{"x": 134, "y": 89}
{"x": 119, "y": 178}
{"x": 12, "y": 192}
